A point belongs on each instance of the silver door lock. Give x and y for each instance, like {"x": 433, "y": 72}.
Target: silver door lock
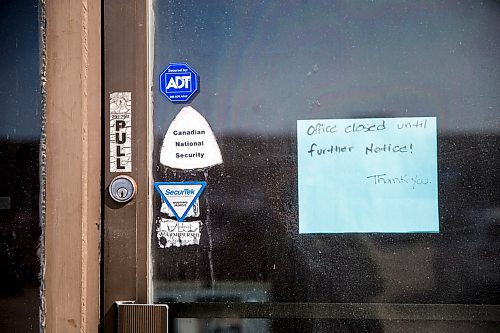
{"x": 122, "y": 188}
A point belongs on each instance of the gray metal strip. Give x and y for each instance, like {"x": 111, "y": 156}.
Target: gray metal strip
{"x": 373, "y": 311}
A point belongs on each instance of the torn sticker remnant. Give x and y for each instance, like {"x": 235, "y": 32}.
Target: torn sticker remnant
{"x": 172, "y": 233}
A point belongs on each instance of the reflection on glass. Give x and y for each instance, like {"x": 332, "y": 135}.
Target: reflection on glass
{"x": 243, "y": 325}
{"x": 263, "y": 66}
{"x": 232, "y": 325}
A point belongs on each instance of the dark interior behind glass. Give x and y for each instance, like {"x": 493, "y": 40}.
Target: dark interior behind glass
{"x": 20, "y": 132}
{"x": 265, "y": 64}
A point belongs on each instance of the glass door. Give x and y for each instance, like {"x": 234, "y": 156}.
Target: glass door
{"x": 278, "y": 237}
{"x": 314, "y": 166}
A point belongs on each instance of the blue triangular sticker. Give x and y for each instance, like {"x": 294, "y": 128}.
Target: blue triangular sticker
{"x": 180, "y": 196}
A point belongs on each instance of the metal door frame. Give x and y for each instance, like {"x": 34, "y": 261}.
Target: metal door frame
{"x": 125, "y": 259}
{"x": 127, "y": 228}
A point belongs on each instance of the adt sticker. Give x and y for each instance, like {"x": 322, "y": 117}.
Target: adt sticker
{"x": 181, "y": 196}
{"x": 178, "y": 82}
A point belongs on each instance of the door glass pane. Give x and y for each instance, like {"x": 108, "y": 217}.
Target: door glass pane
{"x": 263, "y": 65}
{"x": 20, "y": 133}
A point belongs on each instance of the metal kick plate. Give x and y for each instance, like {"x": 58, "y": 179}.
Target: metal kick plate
{"x": 142, "y": 318}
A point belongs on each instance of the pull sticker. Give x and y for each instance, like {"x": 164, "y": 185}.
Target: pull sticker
{"x": 120, "y": 132}
{"x": 190, "y": 143}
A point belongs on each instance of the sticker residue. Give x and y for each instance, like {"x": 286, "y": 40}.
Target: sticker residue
{"x": 120, "y": 132}
{"x": 172, "y": 233}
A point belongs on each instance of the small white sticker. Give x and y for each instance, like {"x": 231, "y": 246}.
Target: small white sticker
{"x": 194, "y": 211}
{"x": 172, "y": 233}
{"x": 120, "y": 132}
{"x": 189, "y": 142}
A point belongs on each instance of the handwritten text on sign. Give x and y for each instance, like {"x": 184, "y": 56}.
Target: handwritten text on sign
{"x": 367, "y": 175}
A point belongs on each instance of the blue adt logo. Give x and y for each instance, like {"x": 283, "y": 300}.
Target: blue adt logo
{"x": 178, "y": 82}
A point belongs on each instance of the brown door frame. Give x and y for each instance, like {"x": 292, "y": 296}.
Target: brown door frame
{"x": 71, "y": 182}
{"x": 126, "y": 236}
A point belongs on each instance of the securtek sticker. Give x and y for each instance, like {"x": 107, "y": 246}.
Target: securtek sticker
{"x": 194, "y": 211}
{"x": 180, "y": 196}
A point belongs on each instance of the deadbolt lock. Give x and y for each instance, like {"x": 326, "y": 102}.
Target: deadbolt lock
{"x": 122, "y": 188}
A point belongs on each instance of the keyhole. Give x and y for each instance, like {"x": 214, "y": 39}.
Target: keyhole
{"x": 122, "y": 192}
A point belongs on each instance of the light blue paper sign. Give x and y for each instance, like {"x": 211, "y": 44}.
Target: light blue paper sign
{"x": 368, "y": 175}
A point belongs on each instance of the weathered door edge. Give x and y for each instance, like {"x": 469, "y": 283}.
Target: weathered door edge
{"x": 71, "y": 82}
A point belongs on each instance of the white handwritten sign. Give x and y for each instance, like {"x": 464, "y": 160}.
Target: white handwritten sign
{"x": 367, "y": 175}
